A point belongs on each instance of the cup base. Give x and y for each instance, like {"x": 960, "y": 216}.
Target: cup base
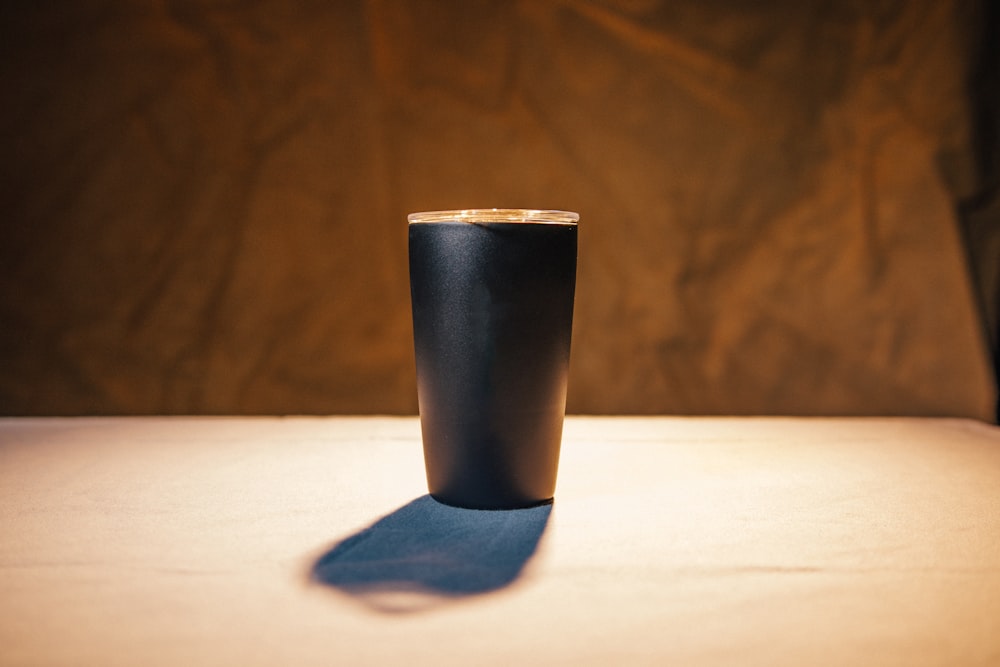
{"x": 491, "y": 508}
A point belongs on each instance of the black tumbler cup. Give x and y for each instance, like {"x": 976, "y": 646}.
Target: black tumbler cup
{"x": 492, "y": 293}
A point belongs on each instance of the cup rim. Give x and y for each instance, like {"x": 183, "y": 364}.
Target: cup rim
{"x": 511, "y": 215}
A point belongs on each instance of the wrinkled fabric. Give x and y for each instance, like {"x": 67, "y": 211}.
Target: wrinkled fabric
{"x": 205, "y": 202}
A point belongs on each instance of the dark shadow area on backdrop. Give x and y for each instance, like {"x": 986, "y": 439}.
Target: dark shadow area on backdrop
{"x": 980, "y": 212}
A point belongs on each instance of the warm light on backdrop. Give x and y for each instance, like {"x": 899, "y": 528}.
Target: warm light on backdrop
{"x": 784, "y": 208}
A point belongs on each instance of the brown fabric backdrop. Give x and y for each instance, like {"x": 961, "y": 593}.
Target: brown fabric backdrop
{"x": 205, "y": 201}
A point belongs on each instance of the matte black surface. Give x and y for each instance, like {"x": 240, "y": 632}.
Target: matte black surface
{"x": 492, "y": 321}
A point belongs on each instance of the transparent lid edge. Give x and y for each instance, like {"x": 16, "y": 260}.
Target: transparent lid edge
{"x": 513, "y": 215}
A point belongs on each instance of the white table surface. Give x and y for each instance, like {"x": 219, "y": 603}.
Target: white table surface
{"x": 690, "y": 541}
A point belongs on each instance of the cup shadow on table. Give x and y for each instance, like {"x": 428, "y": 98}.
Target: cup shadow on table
{"x": 425, "y": 554}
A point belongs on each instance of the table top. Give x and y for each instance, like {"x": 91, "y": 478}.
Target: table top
{"x": 309, "y": 541}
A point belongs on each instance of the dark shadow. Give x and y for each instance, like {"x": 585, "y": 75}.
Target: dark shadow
{"x": 980, "y": 212}
{"x": 426, "y": 553}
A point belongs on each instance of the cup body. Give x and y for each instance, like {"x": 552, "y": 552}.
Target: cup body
{"x": 492, "y": 300}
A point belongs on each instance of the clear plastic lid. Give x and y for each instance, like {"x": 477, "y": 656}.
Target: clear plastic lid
{"x": 473, "y": 215}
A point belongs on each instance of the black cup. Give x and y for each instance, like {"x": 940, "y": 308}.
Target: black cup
{"x": 492, "y": 293}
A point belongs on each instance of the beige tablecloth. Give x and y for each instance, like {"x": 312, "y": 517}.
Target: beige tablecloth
{"x": 268, "y": 541}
